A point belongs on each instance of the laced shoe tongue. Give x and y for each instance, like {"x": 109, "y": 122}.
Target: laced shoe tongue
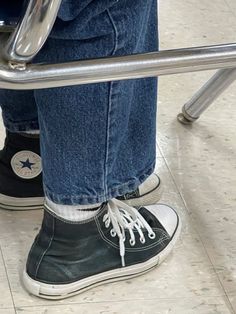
{"x": 124, "y": 217}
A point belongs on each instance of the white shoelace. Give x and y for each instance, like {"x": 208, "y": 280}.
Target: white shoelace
{"x": 122, "y": 217}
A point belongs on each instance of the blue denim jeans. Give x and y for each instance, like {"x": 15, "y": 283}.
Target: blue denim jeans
{"x": 97, "y": 140}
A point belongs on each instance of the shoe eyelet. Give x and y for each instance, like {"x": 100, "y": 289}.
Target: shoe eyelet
{"x": 104, "y": 218}
{"x": 132, "y": 242}
{"x": 152, "y": 235}
{"x": 142, "y": 240}
{"x": 113, "y": 233}
{"x": 107, "y": 224}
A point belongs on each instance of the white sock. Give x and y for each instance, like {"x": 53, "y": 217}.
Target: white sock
{"x": 73, "y": 212}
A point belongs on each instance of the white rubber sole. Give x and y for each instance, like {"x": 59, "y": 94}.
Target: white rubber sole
{"x": 150, "y": 198}
{"x": 20, "y": 204}
{"x": 57, "y": 292}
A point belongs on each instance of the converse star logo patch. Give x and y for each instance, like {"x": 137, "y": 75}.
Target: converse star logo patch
{"x": 26, "y": 164}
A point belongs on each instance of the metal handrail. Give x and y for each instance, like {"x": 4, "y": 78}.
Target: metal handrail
{"x": 38, "y": 76}
{"x": 34, "y": 27}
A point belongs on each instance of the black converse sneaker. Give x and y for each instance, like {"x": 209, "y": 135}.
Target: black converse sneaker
{"x": 120, "y": 242}
{"x": 20, "y": 173}
{"x": 148, "y": 193}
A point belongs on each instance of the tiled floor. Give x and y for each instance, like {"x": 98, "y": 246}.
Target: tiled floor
{"x": 198, "y": 168}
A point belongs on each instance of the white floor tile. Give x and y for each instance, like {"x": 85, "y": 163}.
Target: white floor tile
{"x": 7, "y": 311}
{"x": 208, "y": 188}
{"x": 233, "y": 301}
{"x": 158, "y": 306}
{"x": 192, "y": 23}
{"x": 232, "y": 5}
{"x": 5, "y": 295}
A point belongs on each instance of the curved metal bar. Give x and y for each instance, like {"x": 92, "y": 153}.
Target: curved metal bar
{"x": 32, "y": 31}
{"x": 209, "y": 92}
{"x": 119, "y": 68}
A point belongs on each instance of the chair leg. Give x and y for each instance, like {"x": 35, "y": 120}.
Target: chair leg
{"x": 192, "y": 110}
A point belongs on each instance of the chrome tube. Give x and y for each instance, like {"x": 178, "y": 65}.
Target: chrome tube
{"x": 118, "y": 68}
{"x": 32, "y": 31}
{"x": 208, "y": 93}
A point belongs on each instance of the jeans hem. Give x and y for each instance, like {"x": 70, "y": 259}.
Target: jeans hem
{"x": 111, "y": 192}
{"x": 21, "y": 126}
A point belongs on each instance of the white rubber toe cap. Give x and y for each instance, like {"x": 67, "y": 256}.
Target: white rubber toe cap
{"x": 166, "y": 216}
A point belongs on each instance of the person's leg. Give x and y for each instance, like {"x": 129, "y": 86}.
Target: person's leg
{"x": 21, "y": 184}
{"x": 20, "y": 111}
{"x": 98, "y": 142}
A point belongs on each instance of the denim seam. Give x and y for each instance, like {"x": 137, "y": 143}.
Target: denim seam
{"x": 127, "y": 184}
{"x": 106, "y": 166}
{"x": 45, "y": 251}
{"x": 22, "y": 121}
{"x": 103, "y": 197}
{"x": 21, "y": 126}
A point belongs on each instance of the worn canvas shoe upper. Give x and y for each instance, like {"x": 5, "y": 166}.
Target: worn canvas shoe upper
{"x": 20, "y": 173}
{"x": 120, "y": 242}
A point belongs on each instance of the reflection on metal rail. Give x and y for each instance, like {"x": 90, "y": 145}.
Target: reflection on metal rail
{"x": 118, "y": 68}
{"x": 32, "y": 30}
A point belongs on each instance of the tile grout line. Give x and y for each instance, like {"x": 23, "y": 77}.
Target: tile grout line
{"x": 167, "y": 166}
{"x": 8, "y": 281}
{"x": 204, "y": 247}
